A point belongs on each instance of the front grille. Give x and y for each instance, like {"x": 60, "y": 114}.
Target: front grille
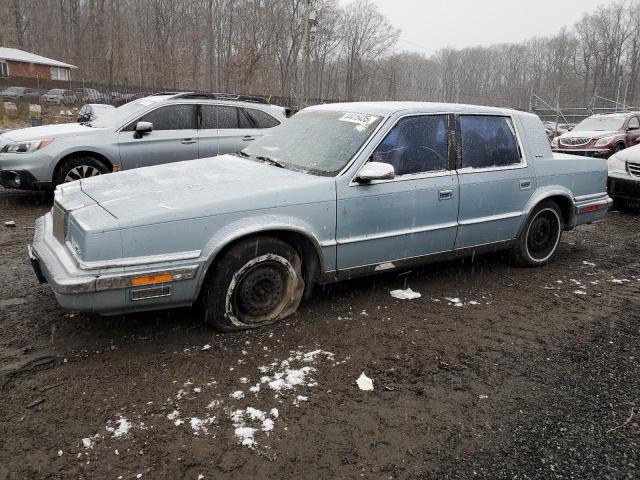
{"x": 574, "y": 141}
{"x": 633, "y": 169}
{"x": 59, "y": 215}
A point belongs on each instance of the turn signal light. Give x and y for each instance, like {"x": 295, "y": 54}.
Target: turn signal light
{"x": 151, "y": 279}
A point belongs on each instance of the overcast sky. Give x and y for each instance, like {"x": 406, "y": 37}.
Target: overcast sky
{"x": 428, "y": 25}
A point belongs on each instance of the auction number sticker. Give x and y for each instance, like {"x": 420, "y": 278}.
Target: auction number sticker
{"x": 361, "y": 120}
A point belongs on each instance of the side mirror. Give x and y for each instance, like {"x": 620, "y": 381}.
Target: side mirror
{"x": 142, "y": 128}
{"x": 376, "y": 171}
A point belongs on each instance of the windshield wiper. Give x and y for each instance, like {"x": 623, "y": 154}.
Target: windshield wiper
{"x": 242, "y": 154}
{"x": 270, "y": 161}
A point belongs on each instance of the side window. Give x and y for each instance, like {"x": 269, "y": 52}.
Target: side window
{"x": 633, "y": 123}
{"x": 171, "y": 117}
{"x": 488, "y": 141}
{"x": 262, "y": 119}
{"x": 243, "y": 119}
{"x": 416, "y": 145}
{"x": 219, "y": 116}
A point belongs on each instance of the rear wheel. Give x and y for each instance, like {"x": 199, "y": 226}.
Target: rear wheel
{"x": 540, "y": 237}
{"x": 256, "y": 283}
{"x": 78, "y": 168}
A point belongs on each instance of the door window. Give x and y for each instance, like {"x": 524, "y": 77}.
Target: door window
{"x": 416, "y": 145}
{"x": 262, "y": 119}
{"x": 171, "y": 117}
{"x": 219, "y": 117}
{"x": 488, "y": 141}
{"x": 633, "y": 123}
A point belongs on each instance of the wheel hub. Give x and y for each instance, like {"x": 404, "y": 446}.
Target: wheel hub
{"x": 261, "y": 290}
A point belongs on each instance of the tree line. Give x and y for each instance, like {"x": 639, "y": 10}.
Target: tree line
{"x": 259, "y": 46}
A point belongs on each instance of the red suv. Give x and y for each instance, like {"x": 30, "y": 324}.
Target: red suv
{"x": 600, "y": 135}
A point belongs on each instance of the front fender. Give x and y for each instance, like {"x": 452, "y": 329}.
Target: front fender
{"x": 323, "y": 241}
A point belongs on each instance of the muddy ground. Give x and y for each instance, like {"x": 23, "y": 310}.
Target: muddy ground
{"x": 532, "y": 373}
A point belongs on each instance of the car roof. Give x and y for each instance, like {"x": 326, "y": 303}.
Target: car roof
{"x": 390, "y": 108}
{"x": 231, "y": 102}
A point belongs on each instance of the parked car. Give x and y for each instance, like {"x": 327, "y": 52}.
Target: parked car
{"x": 600, "y": 135}
{"x": 60, "y": 96}
{"x": 17, "y": 94}
{"x": 554, "y": 129}
{"x": 624, "y": 175}
{"x": 149, "y": 131}
{"x": 336, "y": 192}
{"x": 91, "y": 111}
{"x": 91, "y": 95}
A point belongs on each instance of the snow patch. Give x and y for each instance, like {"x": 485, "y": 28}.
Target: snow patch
{"x": 407, "y": 294}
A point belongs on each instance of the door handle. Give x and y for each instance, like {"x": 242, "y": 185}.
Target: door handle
{"x": 445, "y": 194}
{"x": 248, "y": 138}
{"x": 525, "y": 184}
{"x": 188, "y": 141}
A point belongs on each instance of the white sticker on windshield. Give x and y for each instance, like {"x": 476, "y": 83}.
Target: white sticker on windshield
{"x": 361, "y": 120}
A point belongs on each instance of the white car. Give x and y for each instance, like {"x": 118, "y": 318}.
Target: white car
{"x": 624, "y": 175}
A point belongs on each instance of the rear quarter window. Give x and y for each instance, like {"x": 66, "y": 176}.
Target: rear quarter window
{"x": 488, "y": 141}
{"x": 262, "y": 119}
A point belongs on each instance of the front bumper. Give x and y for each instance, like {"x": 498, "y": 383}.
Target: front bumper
{"x": 585, "y": 152}
{"x": 34, "y": 170}
{"x": 623, "y": 186}
{"x": 106, "y": 291}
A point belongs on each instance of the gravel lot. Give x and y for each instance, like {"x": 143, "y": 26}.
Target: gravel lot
{"x": 531, "y": 373}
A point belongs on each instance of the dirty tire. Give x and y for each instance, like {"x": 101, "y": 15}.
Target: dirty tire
{"x": 540, "y": 236}
{"x": 256, "y": 283}
{"x": 78, "y": 167}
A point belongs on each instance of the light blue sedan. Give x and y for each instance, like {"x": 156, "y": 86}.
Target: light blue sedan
{"x": 339, "y": 191}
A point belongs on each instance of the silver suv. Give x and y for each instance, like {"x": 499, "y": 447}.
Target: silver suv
{"x": 163, "y": 128}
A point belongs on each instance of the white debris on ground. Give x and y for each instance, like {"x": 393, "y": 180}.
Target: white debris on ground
{"x": 455, "y": 301}
{"x": 364, "y": 383}
{"x": 407, "y": 294}
{"x": 589, "y": 264}
{"x": 123, "y": 427}
{"x": 579, "y": 292}
{"x": 206, "y": 347}
{"x": 10, "y": 223}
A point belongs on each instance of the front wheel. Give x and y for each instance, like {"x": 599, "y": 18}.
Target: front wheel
{"x": 78, "y": 168}
{"x": 540, "y": 237}
{"x": 256, "y": 283}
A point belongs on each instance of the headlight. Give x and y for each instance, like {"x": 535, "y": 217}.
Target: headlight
{"x": 616, "y": 164}
{"x": 554, "y": 142}
{"x": 605, "y": 141}
{"x": 27, "y": 146}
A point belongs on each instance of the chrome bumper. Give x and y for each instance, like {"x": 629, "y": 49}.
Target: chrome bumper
{"x": 53, "y": 264}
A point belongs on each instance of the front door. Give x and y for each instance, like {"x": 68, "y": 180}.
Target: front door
{"x": 633, "y": 132}
{"x": 495, "y": 181}
{"x": 174, "y": 138}
{"x": 413, "y": 215}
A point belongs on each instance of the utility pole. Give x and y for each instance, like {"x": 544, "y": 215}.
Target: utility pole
{"x": 310, "y": 29}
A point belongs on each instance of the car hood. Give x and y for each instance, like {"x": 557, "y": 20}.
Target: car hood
{"x": 631, "y": 154}
{"x": 589, "y": 134}
{"x": 48, "y": 131}
{"x": 204, "y": 187}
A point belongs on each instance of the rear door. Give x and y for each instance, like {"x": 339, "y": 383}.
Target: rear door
{"x": 495, "y": 180}
{"x": 223, "y": 129}
{"x": 174, "y": 137}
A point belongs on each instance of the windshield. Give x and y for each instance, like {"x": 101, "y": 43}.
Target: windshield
{"x": 316, "y": 142}
{"x": 118, "y": 116}
{"x": 55, "y": 91}
{"x": 600, "y": 124}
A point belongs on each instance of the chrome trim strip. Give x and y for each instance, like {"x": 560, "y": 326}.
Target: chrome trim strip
{"x": 491, "y": 218}
{"x": 593, "y": 196}
{"x": 119, "y": 281}
{"x": 421, "y": 259}
{"x": 398, "y": 233}
{"x": 131, "y": 261}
